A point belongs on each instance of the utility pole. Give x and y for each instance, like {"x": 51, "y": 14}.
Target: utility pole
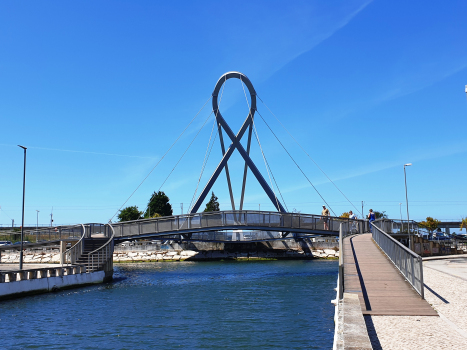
{"x": 22, "y": 216}
{"x": 363, "y": 214}
{"x": 181, "y": 206}
{"x": 400, "y": 209}
{"x": 37, "y": 222}
{"x": 407, "y": 201}
{"x": 52, "y": 217}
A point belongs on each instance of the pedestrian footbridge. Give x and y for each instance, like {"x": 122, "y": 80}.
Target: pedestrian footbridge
{"x": 243, "y": 225}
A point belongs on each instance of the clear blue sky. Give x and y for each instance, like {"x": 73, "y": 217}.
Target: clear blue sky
{"x": 98, "y": 91}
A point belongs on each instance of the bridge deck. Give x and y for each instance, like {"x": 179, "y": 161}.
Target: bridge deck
{"x": 381, "y": 288}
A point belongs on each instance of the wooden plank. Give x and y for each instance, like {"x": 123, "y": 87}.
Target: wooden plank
{"x": 381, "y": 288}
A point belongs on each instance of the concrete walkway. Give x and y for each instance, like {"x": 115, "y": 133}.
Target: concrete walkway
{"x": 447, "y": 294}
{"x": 381, "y": 288}
{"x": 15, "y": 267}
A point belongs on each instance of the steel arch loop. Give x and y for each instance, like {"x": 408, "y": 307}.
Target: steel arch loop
{"x": 222, "y": 80}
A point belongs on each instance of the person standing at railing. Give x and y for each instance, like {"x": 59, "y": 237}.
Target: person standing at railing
{"x": 371, "y": 217}
{"x": 325, "y": 217}
{"x": 353, "y": 224}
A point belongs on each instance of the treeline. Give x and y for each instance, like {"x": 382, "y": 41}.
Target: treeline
{"x": 159, "y": 205}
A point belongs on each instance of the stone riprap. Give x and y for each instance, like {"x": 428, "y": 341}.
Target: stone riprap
{"x": 178, "y": 255}
{"x": 31, "y": 257}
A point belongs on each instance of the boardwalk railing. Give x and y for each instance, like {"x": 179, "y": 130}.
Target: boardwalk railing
{"x": 102, "y": 258}
{"x": 406, "y": 261}
{"x": 224, "y": 220}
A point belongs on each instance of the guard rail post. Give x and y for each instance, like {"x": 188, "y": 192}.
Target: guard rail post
{"x": 341, "y": 263}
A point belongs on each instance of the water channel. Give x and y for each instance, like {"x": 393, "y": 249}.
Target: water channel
{"x": 185, "y": 305}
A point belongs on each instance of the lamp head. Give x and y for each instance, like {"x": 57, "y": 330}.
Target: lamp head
{"x": 408, "y": 164}
{"x": 22, "y": 147}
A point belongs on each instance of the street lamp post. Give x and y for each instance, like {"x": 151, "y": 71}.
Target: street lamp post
{"x": 22, "y": 216}
{"x": 37, "y": 224}
{"x": 407, "y": 201}
{"x": 400, "y": 210}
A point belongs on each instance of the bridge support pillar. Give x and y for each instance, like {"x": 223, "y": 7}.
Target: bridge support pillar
{"x": 62, "y": 252}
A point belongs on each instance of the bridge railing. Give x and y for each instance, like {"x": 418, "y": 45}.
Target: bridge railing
{"x": 199, "y": 221}
{"x": 102, "y": 258}
{"x": 406, "y": 261}
{"x": 52, "y": 233}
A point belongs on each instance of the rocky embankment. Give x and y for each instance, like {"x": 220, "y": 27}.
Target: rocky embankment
{"x": 180, "y": 255}
{"x": 31, "y": 257}
{"x": 191, "y": 255}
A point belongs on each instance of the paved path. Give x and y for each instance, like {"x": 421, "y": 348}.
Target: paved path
{"x": 15, "y": 267}
{"x": 447, "y": 294}
{"x": 381, "y": 288}
{"x": 453, "y": 265}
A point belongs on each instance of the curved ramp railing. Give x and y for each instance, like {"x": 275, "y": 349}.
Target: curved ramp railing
{"x": 406, "y": 261}
{"x": 246, "y": 219}
{"x": 72, "y": 254}
{"x": 102, "y": 258}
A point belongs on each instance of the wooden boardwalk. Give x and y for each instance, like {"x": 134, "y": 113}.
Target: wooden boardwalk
{"x": 381, "y": 288}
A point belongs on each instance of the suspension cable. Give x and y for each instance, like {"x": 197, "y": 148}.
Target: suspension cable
{"x": 155, "y": 166}
{"x": 205, "y": 160}
{"x": 186, "y": 150}
{"x": 206, "y": 157}
{"x": 265, "y": 163}
{"x": 359, "y": 211}
{"x": 285, "y": 149}
{"x": 268, "y": 168}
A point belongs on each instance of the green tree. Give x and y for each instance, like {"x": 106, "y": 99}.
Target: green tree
{"x": 213, "y": 204}
{"x": 158, "y": 204}
{"x": 129, "y": 213}
{"x": 430, "y": 224}
{"x": 463, "y": 223}
{"x": 345, "y": 215}
{"x": 380, "y": 215}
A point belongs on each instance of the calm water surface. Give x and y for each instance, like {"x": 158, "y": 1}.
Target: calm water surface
{"x": 186, "y": 305}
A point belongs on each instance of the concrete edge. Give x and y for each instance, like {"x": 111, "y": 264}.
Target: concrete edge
{"x": 442, "y": 257}
{"x": 355, "y": 333}
{"x": 17, "y": 289}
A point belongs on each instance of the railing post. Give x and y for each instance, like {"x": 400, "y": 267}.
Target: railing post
{"x": 341, "y": 264}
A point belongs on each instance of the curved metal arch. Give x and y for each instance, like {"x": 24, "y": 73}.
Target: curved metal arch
{"x": 223, "y": 126}
{"x": 223, "y": 79}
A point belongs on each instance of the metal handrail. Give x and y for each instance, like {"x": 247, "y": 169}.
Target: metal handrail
{"x": 274, "y": 221}
{"x": 75, "y": 250}
{"x": 406, "y": 261}
{"x": 103, "y": 254}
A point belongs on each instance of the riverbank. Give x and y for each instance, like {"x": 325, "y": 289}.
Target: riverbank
{"x": 280, "y": 250}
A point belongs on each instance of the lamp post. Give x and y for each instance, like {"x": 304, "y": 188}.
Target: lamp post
{"x": 407, "y": 201}
{"x": 22, "y": 216}
{"x": 37, "y": 224}
{"x": 400, "y": 210}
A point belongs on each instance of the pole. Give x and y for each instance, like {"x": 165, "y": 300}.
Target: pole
{"x": 259, "y": 206}
{"x": 181, "y": 206}
{"x": 22, "y": 216}
{"x": 37, "y": 222}
{"x": 400, "y": 210}
{"x": 363, "y": 214}
{"x": 407, "y": 201}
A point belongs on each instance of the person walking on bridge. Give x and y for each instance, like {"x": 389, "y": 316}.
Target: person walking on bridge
{"x": 371, "y": 217}
{"x": 324, "y": 216}
{"x": 353, "y": 222}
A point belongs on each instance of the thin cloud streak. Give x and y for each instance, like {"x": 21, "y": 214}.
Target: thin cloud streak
{"x": 86, "y": 152}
